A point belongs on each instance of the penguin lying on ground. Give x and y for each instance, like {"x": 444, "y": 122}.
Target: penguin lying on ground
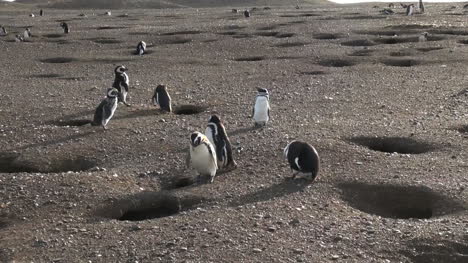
{"x": 303, "y": 158}
{"x": 106, "y": 109}
{"x": 161, "y": 97}
{"x": 202, "y": 156}
{"x": 216, "y": 133}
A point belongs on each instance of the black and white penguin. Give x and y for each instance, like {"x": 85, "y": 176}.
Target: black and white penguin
{"x": 247, "y": 13}
{"x": 65, "y": 27}
{"x": 41, "y": 12}
{"x": 423, "y": 37}
{"x": 161, "y": 97}
{"x": 235, "y": 11}
{"x": 202, "y": 156}
{"x": 141, "y": 48}
{"x": 121, "y": 83}
{"x": 27, "y": 33}
{"x": 3, "y": 31}
{"x": 106, "y": 109}
{"x": 108, "y": 13}
{"x": 216, "y": 133}
{"x": 19, "y": 38}
{"x": 32, "y": 15}
{"x": 303, "y": 158}
{"x": 421, "y": 6}
{"x": 261, "y": 110}
{"x": 410, "y": 10}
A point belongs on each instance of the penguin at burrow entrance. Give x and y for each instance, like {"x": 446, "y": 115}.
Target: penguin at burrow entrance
{"x": 216, "y": 133}
{"x": 141, "y": 48}
{"x": 202, "y": 156}
{"x": 106, "y": 109}
{"x": 161, "y": 97}
{"x": 121, "y": 83}
{"x": 261, "y": 110}
{"x": 66, "y": 28}
{"x": 302, "y": 158}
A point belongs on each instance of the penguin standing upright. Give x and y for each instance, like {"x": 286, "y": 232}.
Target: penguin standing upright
{"x": 261, "y": 110}
{"x": 247, "y": 13}
{"x": 65, "y": 27}
{"x": 3, "y": 31}
{"x": 121, "y": 83}
{"x": 410, "y": 10}
{"x": 106, "y": 108}
{"x": 202, "y": 156}
{"x": 421, "y": 7}
{"x": 27, "y": 33}
{"x": 161, "y": 97}
{"x": 423, "y": 37}
{"x": 141, "y": 48}
{"x": 303, "y": 158}
{"x": 216, "y": 133}
{"x": 41, "y": 12}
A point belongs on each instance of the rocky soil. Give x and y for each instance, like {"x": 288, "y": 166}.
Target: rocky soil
{"x": 387, "y": 114}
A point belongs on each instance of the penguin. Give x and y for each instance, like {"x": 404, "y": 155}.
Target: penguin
{"x": 41, "y": 12}
{"x": 247, "y": 13}
{"x": 106, "y": 108}
{"x": 410, "y": 10}
{"x": 391, "y": 5}
{"x": 19, "y": 38}
{"x": 235, "y": 11}
{"x": 423, "y": 37}
{"x": 27, "y": 33}
{"x": 121, "y": 83}
{"x": 141, "y": 48}
{"x": 32, "y": 15}
{"x": 3, "y": 31}
{"x": 302, "y": 158}
{"x": 261, "y": 110}
{"x": 161, "y": 97}
{"x": 65, "y": 27}
{"x": 216, "y": 134}
{"x": 108, "y": 13}
{"x": 421, "y": 7}
{"x": 203, "y": 156}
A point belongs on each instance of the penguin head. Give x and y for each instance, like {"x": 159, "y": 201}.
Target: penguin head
{"x": 425, "y": 34}
{"x": 262, "y": 90}
{"x": 214, "y": 119}
{"x": 161, "y": 88}
{"x": 120, "y": 69}
{"x": 112, "y": 93}
{"x": 196, "y": 139}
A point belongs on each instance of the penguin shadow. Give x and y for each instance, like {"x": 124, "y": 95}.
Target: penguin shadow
{"x": 71, "y": 117}
{"x": 245, "y": 130}
{"x": 286, "y": 187}
{"x": 131, "y": 113}
{"x": 52, "y": 142}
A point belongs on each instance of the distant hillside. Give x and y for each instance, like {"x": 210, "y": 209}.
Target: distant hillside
{"x": 119, "y": 4}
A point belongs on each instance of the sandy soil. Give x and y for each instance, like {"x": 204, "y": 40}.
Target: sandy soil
{"x": 386, "y": 113}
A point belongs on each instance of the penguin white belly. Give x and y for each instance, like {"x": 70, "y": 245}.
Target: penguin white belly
{"x": 209, "y": 135}
{"x": 203, "y": 161}
{"x": 114, "y": 107}
{"x": 261, "y": 110}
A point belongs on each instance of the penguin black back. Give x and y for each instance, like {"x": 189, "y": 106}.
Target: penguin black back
{"x": 65, "y": 27}
{"x": 216, "y": 133}
{"x": 247, "y": 13}
{"x": 302, "y": 157}
{"x": 161, "y": 97}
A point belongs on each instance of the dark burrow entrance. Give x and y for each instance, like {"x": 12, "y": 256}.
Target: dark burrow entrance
{"x": 436, "y": 251}
{"x": 396, "y": 201}
{"x": 149, "y": 205}
{"x": 11, "y": 162}
{"x": 189, "y": 109}
{"x": 393, "y": 144}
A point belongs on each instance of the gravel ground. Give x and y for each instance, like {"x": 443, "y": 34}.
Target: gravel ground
{"x": 386, "y": 113}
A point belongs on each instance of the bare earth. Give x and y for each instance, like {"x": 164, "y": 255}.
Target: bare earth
{"x": 387, "y": 114}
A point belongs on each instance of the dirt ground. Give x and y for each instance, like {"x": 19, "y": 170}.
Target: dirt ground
{"x": 387, "y": 114}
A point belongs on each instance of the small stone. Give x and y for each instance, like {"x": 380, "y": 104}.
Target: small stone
{"x": 335, "y": 257}
{"x": 257, "y": 250}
